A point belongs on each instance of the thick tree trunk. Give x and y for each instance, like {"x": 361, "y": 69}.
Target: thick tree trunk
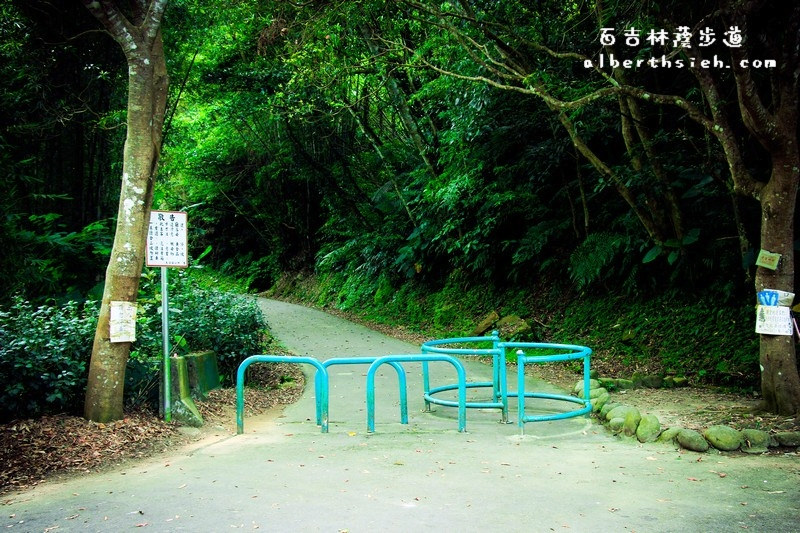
{"x": 147, "y": 92}
{"x": 780, "y": 382}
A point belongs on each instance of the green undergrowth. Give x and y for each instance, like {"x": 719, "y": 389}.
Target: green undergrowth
{"x": 668, "y": 334}
{"x": 45, "y": 348}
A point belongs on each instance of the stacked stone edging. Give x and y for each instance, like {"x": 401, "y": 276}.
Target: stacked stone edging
{"x": 626, "y": 420}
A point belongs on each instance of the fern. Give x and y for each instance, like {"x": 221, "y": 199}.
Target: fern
{"x": 593, "y": 258}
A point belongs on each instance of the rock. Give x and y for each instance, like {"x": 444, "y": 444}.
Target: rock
{"x": 594, "y": 374}
{"x": 487, "y": 322}
{"x": 692, "y": 440}
{"x": 578, "y": 388}
{"x": 632, "y": 419}
{"x": 723, "y": 438}
{"x": 183, "y": 408}
{"x": 596, "y": 393}
{"x": 669, "y": 382}
{"x": 755, "y": 441}
{"x": 680, "y": 381}
{"x": 622, "y": 411}
{"x": 653, "y": 382}
{"x": 600, "y": 401}
{"x": 512, "y": 326}
{"x": 788, "y": 438}
{"x": 203, "y": 373}
{"x": 616, "y": 425}
{"x": 669, "y": 435}
{"x": 593, "y": 385}
{"x": 625, "y": 384}
{"x": 649, "y": 429}
{"x": 608, "y": 407}
{"x": 608, "y": 383}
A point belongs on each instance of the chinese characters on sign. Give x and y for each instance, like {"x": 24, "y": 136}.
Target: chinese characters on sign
{"x": 773, "y": 314}
{"x": 166, "y": 239}
{"x": 681, "y": 38}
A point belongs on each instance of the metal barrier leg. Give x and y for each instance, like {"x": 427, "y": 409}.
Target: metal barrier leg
{"x": 320, "y": 384}
{"x": 462, "y": 384}
{"x": 426, "y": 386}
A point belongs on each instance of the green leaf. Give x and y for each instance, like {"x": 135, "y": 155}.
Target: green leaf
{"x": 673, "y": 256}
{"x": 650, "y": 256}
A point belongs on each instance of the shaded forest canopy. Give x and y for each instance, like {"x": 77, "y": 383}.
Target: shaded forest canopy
{"x": 423, "y": 162}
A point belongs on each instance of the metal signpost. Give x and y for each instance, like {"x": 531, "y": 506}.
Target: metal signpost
{"x": 167, "y": 247}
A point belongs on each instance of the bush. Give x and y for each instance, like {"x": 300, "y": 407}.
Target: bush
{"x": 200, "y": 319}
{"x": 45, "y": 350}
{"x": 44, "y": 357}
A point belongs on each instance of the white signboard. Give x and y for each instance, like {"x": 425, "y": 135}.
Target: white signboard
{"x": 166, "y": 239}
{"x": 123, "y": 322}
{"x": 773, "y": 320}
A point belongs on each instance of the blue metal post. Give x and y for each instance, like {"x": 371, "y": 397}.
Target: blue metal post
{"x": 500, "y": 378}
{"x": 401, "y": 380}
{"x": 462, "y": 383}
{"x": 321, "y": 385}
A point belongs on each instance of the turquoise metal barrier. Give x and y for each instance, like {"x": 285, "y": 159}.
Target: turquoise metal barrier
{"x": 554, "y": 353}
{"x": 437, "y": 351}
{"x": 401, "y": 381}
{"x": 321, "y": 386}
{"x": 498, "y": 383}
{"x": 423, "y": 358}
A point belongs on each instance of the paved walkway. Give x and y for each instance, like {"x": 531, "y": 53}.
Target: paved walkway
{"x": 284, "y": 475}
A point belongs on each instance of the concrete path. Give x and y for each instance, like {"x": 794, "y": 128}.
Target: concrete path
{"x": 284, "y": 475}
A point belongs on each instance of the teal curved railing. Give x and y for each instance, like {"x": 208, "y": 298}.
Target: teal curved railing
{"x": 461, "y": 385}
{"x": 321, "y": 385}
{"x": 442, "y": 350}
{"x": 553, "y": 353}
{"x": 498, "y": 384}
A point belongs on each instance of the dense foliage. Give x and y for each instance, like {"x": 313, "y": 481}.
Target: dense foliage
{"x": 45, "y": 349}
{"x": 61, "y": 118}
{"x": 426, "y": 160}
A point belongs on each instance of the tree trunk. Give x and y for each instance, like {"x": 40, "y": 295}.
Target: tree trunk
{"x": 780, "y": 382}
{"x": 147, "y": 93}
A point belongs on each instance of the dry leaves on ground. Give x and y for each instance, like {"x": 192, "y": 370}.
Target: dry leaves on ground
{"x": 34, "y": 450}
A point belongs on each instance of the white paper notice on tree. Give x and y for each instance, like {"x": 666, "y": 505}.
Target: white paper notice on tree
{"x": 166, "y": 239}
{"x": 123, "y": 322}
{"x": 773, "y": 320}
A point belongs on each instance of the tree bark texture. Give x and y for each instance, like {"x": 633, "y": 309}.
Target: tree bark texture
{"x": 147, "y": 93}
{"x": 780, "y": 382}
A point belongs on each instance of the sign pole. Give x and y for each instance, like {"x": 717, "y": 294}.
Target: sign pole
{"x": 165, "y": 342}
{"x": 167, "y": 247}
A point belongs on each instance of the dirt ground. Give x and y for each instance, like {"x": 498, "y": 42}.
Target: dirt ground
{"x": 693, "y": 407}
{"x": 37, "y": 450}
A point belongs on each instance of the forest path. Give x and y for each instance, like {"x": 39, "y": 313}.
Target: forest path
{"x": 284, "y": 475}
